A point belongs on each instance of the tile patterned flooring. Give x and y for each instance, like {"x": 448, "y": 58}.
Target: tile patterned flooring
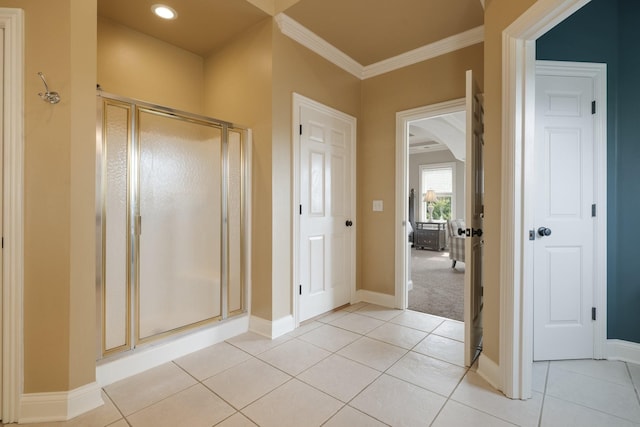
{"x": 364, "y": 365}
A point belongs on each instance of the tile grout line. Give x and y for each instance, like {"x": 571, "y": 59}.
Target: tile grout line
{"x": 544, "y": 393}
{"x": 636, "y": 388}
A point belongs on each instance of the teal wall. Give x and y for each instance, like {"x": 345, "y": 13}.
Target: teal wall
{"x": 607, "y": 31}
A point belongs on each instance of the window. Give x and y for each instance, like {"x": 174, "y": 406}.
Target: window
{"x": 441, "y": 179}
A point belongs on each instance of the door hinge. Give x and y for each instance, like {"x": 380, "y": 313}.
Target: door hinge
{"x": 300, "y": 129}
{"x": 300, "y": 209}
{"x": 3, "y": 243}
{"x": 593, "y": 313}
{"x": 593, "y": 107}
{"x": 593, "y": 210}
{"x": 300, "y": 290}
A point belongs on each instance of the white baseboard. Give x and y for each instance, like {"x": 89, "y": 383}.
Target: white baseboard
{"x": 490, "y": 371}
{"x": 59, "y": 406}
{"x": 140, "y": 360}
{"x": 270, "y": 329}
{"x": 385, "y": 300}
{"x": 625, "y": 351}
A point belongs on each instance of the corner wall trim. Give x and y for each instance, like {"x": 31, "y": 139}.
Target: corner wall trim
{"x": 110, "y": 371}
{"x": 490, "y": 371}
{"x": 385, "y": 300}
{"x": 59, "y": 406}
{"x": 272, "y": 329}
{"x": 624, "y": 351}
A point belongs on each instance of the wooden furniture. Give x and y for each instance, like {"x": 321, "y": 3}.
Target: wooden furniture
{"x": 430, "y": 235}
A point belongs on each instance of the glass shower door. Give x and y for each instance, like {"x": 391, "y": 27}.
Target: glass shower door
{"x": 178, "y": 222}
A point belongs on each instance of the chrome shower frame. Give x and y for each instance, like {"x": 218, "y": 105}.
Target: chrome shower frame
{"x": 133, "y": 341}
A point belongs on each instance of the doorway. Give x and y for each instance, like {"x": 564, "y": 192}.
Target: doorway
{"x": 436, "y": 145}
{"x": 474, "y": 211}
{"x": 516, "y": 271}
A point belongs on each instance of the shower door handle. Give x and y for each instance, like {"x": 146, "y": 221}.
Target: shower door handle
{"x": 138, "y": 225}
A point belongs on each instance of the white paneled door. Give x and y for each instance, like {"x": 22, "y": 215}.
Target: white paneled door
{"x": 474, "y": 217}
{"x": 327, "y": 142}
{"x": 564, "y": 217}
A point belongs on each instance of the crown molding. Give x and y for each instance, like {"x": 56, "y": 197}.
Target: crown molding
{"x": 317, "y": 44}
{"x": 296, "y": 31}
{"x": 441, "y": 47}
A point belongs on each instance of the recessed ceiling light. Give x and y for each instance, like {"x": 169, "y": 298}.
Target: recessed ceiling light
{"x": 164, "y": 11}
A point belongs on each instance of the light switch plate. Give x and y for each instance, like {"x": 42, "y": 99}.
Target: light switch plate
{"x": 377, "y": 205}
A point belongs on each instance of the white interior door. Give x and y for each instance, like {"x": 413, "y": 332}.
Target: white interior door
{"x": 564, "y": 227}
{"x": 326, "y": 211}
{"x": 474, "y": 214}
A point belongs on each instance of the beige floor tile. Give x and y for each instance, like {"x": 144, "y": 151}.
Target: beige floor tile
{"x": 349, "y": 417}
{"x": 355, "y": 307}
{"x": 427, "y": 372}
{"x": 237, "y": 420}
{"x": 254, "y": 344}
{"x": 635, "y": 374}
{"x": 292, "y": 405}
{"x": 246, "y": 382}
{"x": 339, "y": 377}
{"x": 398, "y": 403}
{"x": 455, "y": 414}
{"x": 604, "y": 396}
{"x": 330, "y": 338}
{"x": 442, "y": 348}
{"x": 120, "y": 423}
{"x": 305, "y": 328}
{"x": 375, "y": 354}
{"x": 194, "y": 407}
{"x": 451, "y": 329}
{"x": 139, "y": 391}
{"x": 422, "y": 321}
{"x": 379, "y": 312}
{"x": 294, "y": 356}
{"x": 398, "y": 335}
{"x": 357, "y": 323}
{"x": 557, "y": 412}
{"x": 212, "y": 360}
{"x": 607, "y": 370}
{"x": 334, "y": 315}
{"x": 475, "y": 392}
{"x": 539, "y": 379}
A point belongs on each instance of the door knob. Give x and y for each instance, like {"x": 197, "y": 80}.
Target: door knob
{"x": 349, "y": 223}
{"x": 544, "y": 231}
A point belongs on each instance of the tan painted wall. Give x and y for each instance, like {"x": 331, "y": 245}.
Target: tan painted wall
{"x": 499, "y": 14}
{"x": 297, "y": 69}
{"x": 137, "y": 66}
{"x": 237, "y": 87}
{"x": 59, "y": 251}
{"x": 429, "y": 82}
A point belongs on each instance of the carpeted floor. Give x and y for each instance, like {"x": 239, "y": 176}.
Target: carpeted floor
{"x": 438, "y": 289}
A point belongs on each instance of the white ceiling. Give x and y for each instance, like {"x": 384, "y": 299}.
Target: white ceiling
{"x": 446, "y": 132}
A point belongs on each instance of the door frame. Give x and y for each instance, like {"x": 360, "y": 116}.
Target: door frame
{"x": 12, "y": 21}
{"x": 516, "y": 267}
{"x": 297, "y": 102}
{"x": 402, "y": 187}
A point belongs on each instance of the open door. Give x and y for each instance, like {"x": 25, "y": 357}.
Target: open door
{"x": 473, "y": 219}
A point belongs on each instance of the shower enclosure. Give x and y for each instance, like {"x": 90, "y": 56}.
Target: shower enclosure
{"x": 171, "y": 220}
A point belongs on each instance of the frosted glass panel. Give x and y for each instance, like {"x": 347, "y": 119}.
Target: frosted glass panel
{"x": 180, "y": 182}
{"x": 235, "y": 221}
{"x": 116, "y": 287}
